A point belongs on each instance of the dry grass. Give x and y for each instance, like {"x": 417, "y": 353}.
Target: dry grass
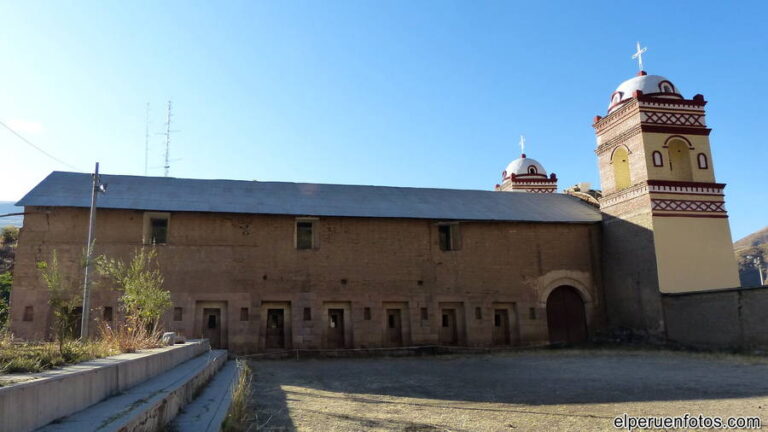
{"x": 239, "y": 415}
{"x": 18, "y": 357}
{"x": 129, "y": 337}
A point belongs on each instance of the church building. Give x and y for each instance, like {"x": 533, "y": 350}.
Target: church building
{"x": 258, "y": 266}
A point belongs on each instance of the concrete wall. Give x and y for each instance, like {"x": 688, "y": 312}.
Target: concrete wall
{"x": 246, "y": 261}
{"x": 58, "y": 393}
{"x": 730, "y": 319}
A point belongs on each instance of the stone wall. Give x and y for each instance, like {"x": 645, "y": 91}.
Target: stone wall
{"x": 249, "y": 263}
{"x": 725, "y": 319}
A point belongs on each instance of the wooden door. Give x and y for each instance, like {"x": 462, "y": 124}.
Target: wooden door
{"x": 566, "y": 318}
{"x": 275, "y": 334}
{"x": 335, "y": 329}
{"x": 448, "y": 332}
{"x": 212, "y": 326}
{"x": 501, "y": 327}
{"x": 394, "y": 328}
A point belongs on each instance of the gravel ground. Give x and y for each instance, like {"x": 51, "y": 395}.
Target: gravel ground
{"x": 523, "y": 391}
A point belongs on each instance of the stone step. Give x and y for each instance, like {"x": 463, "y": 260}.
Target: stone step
{"x": 207, "y": 412}
{"x": 148, "y": 406}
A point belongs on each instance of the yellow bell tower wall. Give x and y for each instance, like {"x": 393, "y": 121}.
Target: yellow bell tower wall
{"x": 694, "y": 254}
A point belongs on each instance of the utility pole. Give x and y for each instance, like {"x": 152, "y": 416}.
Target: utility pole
{"x": 759, "y": 264}
{"x": 97, "y": 187}
{"x": 167, "y": 165}
{"x": 146, "y": 143}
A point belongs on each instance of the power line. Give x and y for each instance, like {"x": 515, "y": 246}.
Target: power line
{"x": 36, "y": 147}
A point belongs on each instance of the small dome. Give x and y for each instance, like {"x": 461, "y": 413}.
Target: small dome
{"x": 523, "y": 166}
{"x": 655, "y": 85}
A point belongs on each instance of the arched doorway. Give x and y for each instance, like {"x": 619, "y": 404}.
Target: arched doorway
{"x": 565, "y": 316}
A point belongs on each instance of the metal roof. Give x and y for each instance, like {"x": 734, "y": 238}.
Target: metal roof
{"x": 68, "y": 189}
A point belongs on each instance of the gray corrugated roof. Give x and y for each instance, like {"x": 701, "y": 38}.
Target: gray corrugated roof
{"x": 66, "y": 189}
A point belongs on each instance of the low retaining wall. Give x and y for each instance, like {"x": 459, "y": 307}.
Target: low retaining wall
{"x": 61, "y": 392}
{"x": 731, "y": 319}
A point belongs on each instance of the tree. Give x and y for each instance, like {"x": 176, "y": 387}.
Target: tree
{"x": 10, "y": 235}
{"x": 64, "y": 298}
{"x": 6, "y": 280}
{"x": 141, "y": 283}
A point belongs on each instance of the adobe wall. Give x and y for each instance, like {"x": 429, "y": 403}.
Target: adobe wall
{"x": 730, "y": 319}
{"x": 249, "y": 261}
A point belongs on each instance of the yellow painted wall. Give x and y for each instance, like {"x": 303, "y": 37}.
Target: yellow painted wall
{"x": 694, "y": 254}
{"x": 655, "y": 141}
{"x": 620, "y": 162}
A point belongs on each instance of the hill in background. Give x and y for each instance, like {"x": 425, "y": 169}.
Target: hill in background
{"x": 755, "y": 244}
{"x": 8, "y": 207}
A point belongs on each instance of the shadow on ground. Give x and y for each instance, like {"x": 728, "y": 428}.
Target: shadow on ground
{"x": 510, "y": 383}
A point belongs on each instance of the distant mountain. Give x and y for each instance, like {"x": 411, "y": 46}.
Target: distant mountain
{"x": 8, "y": 207}
{"x": 755, "y": 244}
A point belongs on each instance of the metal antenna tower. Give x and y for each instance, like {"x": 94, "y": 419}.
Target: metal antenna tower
{"x": 146, "y": 143}
{"x": 167, "y": 165}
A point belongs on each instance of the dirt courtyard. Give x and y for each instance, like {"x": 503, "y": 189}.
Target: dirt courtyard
{"x": 521, "y": 391}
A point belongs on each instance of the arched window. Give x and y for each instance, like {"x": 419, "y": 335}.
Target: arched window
{"x": 679, "y": 160}
{"x": 532, "y": 169}
{"x": 620, "y": 162}
{"x": 702, "y": 159}
{"x": 657, "y": 159}
{"x": 666, "y": 87}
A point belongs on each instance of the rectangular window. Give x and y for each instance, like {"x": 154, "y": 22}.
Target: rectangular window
{"x": 307, "y": 314}
{"x": 159, "y": 231}
{"x": 156, "y": 228}
{"x": 532, "y": 313}
{"x": 107, "y": 314}
{"x": 367, "y": 314}
{"x": 424, "y": 314}
{"x": 178, "y": 313}
{"x": 29, "y": 313}
{"x": 478, "y": 313}
{"x": 304, "y": 235}
{"x": 243, "y": 314}
{"x": 448, "y": 236}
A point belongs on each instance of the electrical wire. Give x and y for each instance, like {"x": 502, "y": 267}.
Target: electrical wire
{"x": 18, "y": 135}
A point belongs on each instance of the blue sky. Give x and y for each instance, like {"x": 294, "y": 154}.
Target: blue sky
{"x": 425, "y": 93}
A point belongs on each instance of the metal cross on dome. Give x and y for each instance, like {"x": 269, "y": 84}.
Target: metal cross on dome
{"x": 639, "y": 55}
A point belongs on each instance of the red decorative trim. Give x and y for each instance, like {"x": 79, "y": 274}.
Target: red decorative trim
{"x": 674, "y": 119}
{"x": 722, "y": 216}
{"x": 677, "y": 137}
{"x": 687, "y": 205}
{"x": 653, "y": 97}
{"x": 675, "y": 129}
{"x": 686, "y": 184}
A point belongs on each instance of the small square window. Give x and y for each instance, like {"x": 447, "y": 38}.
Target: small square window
{"x": 307, "y": 314}
{"x": 304, "y": 235}
{"x": 448, "y": 236}
{"x": 29, "y": 313}
{"x": 156, "y": 228}
{"x": 367, "y": 314}
{"x": 478, "y": 313}
{"x": 244, "y": 314}
{"x": 178, "y": 313}
{"x": 107, "y": 314}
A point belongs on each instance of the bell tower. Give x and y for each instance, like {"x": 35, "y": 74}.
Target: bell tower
{"x": 666, "y": 228}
